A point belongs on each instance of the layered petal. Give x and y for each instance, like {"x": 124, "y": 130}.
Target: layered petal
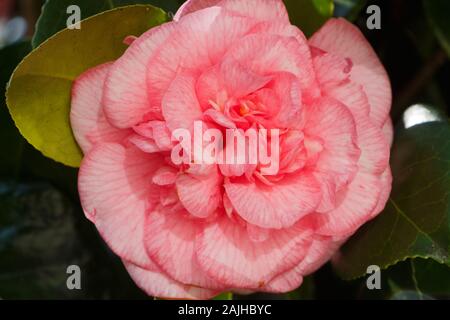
{"x": 200, "y": 195}
{"x": 388, "y": 131}
{"x": 333, "y": 75}
{"x": 333, "y": 124}
{"x": 169, "y": 239}
{"x": 230, "y": 78}
{"x": 355, "y": 207}
{"x": 352, "y": 96}
{"x": 190, "y": 229}
{"x": 320, "y": 251}
{"x": 287, "y": 88}
{"x": 375, "y": 149}
{"x": 344, "y": 39}
{"x": 115, "y": 189}
{"x": 87, "y": 118}
{"x": 278, "y": 206}
{"x": 258, "y": 9}
{"x": 386, "y": 187}
{"x": 261, "y": 54}
{"x": 126, "y": 98}
{"x": 190, "y": 6}
{"x": 262, "y": 10}
{"x": 180, "y": 105}
{"x": 156, "y": 283}
{"x": 227, "y": 254}
{"x": 200, "y": 40}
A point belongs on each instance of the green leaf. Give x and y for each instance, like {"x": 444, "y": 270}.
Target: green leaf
{"x": 38, "y": 96}
{"x": 309, "y": 15}
{"x": 438, "y": 12}
{"x": 415, "y": 222}
{"x": 224, "y": 296}
{"x": 417, "y": 279}
{"x": 54, "y": 13}
{"x": 431, "y": 278}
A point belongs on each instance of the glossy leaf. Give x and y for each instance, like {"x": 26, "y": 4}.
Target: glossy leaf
{"x": 417, "y": 279}
{"x": 309, "y": 15}
{"x": 416, "y": 220}
{"x": 38, "y": 96}
{"x": 431, "y": 278}
{"x": 54, "y": 14}
{"x": 224, "y": 296}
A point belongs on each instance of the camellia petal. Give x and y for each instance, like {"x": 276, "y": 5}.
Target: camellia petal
{"x": 157, "y": 284}
{"x": 180, "y": 104}
{"x": 213, "y": 30}
{"x": 334, "y": 125}
{"x": 87, "y": 118}
{"x": 126, "y": 98}
{"x": 115, "y": 189}
{"x": 260, "y": 53}
{"x": 277, "y": 207}
{"x": 177, "y": 182}
{"x": 200, "y": 195}
{"x": 320, "y": 251}
{"x": 170, "y": 239}
{"x": 342, "y": 38}
{"x": 259, "y": 9}
{"x": 355, "y": 208}
{"x": 226, "y": 253}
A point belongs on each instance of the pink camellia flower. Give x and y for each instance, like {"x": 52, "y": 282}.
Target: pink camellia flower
{"x": 194, "y": 230}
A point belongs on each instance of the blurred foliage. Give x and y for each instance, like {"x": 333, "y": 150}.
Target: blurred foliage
{"x": 38, "y": 240}
{"x": 438, "y": 15}
{"x": 43, "y": 228}
{"x": 54, "y": 15}
{"x": 309, "y": 15}
{"x": 11, "y": 140}
{"x": 349, "y": 9}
